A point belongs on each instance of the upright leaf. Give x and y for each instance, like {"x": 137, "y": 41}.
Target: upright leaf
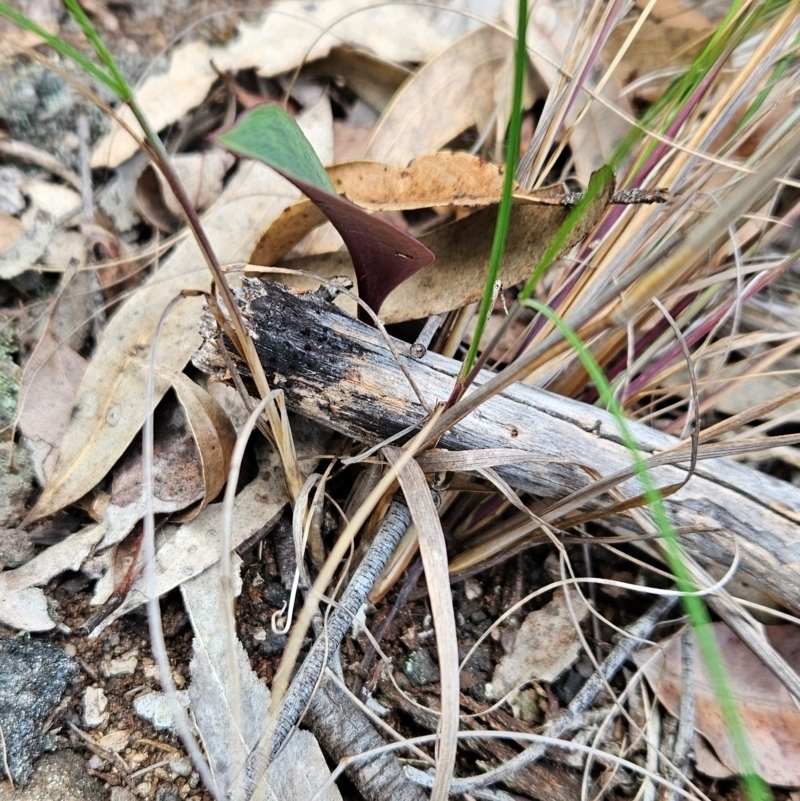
{"x": 383, "y": 255}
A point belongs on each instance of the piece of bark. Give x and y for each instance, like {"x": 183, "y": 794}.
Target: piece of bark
{"x": 337, "y": 370}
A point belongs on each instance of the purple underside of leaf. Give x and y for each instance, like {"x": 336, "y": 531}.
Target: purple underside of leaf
{"x": 383, "y": 255}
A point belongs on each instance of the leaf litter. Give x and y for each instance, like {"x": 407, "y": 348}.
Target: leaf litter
{"x": 459, "y": 95}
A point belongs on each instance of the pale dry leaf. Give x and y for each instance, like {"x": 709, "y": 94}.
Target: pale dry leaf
{"x": 433, "y": 553}
{"x": 66, "y": 248}
{"x": 545, "y": 646}
{"x": 27, "y": 249}
{"x": 194, "y": 546}
{"x": 201, "y": 174}
{"x": 53, "y": 199}
{"x": 770, "y": 716}
{"x": 210, "y": 690}
{"x": 110, "y": 403}
{"x": 191, "y": 459}
{"x": 11, "y": 229}
{"x": 290, "y": 32}
{"x": 46, "y": 394}
{"x": 299, "y": 771}
{"x": 450, "y": 94}
{"x": 462, "y": 252}
{"x": 663, "y": 41}
{"x": 23, "y": 605}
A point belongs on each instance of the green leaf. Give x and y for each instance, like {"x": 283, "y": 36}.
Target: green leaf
{"x": 383, "y": 255}
{"x": 269, "y": 134}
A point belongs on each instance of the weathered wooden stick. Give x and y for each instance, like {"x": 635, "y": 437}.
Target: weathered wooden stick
{"x": 339, "y": 371}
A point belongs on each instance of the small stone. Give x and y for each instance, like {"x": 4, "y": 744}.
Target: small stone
{"x": 260, "y": 634}
{"x": 95, "y": 762}
{"x": 167, "y": 793}
{"x": 410, "y": 639}
{"x": 33, "y": 677}
{"x": 421, "y": 669}
{"x": 95, "y": 704}
{"x": 473, "y": 589}
{"x": 115, "y": 741}
{"x": 154, "y": 707}
{"x": 525, "y": 706}
{"x": 122, "y": 794}
{"x": 182, "y": 766}
{"x": 143, "y": 789}
{"x": 123, "y": 666}
{"x": 151, "y": 672}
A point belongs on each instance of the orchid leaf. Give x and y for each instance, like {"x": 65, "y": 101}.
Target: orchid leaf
{"x": 383, "y": 255}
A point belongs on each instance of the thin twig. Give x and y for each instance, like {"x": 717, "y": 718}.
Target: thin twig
{"x": 389, "y": 534}
{"x": 683, "y": 739}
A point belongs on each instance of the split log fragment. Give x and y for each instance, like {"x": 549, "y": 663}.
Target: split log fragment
{"x": 339, "y": 371}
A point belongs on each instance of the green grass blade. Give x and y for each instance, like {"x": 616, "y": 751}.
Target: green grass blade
{"x": 504, "y": 211}
{"x": 754, "y": 786}
{"x": 119, "y": 84}
{"x": 59, "y": 45}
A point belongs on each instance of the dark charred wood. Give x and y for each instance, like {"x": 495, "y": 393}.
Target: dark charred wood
{"x": 341, "y": 372}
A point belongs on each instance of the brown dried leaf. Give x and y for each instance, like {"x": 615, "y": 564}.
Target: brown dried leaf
{"x": 47, "y": 392}
{"x": 289, "y": 33}
{"x": 770, "y": 715}
{"x": 436, "y": 179}
{"x": 462, "y": 253}
{"x": 11, "y": 229}
{"x": 373, "y": 79}
{"x": 545, "y": 646}
{"x": 213, "y": 433}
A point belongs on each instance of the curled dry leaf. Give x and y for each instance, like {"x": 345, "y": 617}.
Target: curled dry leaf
{"x": 770, "y": 715}
{"x": 373, "y": 79}
{"x": 194, "y": 546}
{"x": 190, "y": 464}
{"x": 437, "y": 179}
{"x": 450, "y": 94}
{"x": 110, "y": 404}
{"x": 462, "y": 251}
{"x": 201, "y": 175}
{"x": 213, "y": 433}
{"x": 269, "y": 134}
